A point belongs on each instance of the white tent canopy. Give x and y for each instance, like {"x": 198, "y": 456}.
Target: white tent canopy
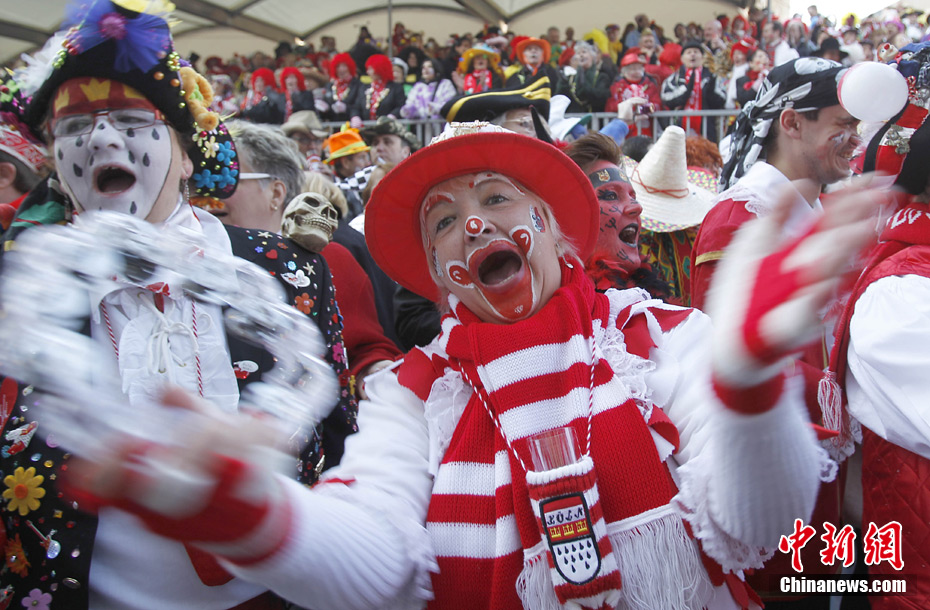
{"x": 221, "y": 27}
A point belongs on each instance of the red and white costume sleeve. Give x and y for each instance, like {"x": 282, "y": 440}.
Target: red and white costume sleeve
{"x": 360, "y": 540}
{"x": 751, "y": 197}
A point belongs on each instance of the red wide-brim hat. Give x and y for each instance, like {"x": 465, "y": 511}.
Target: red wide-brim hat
{"x": 392, "y": 216}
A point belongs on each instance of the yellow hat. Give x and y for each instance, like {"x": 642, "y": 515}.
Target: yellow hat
{"x": 494, "y": 58}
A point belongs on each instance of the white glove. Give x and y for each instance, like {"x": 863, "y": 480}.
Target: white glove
{"x": 626, "y": 107}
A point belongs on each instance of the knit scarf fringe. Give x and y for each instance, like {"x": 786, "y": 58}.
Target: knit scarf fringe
{"x": 663, "y": 542}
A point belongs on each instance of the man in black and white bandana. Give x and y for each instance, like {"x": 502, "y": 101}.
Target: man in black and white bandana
{"x": 795, "y": 129}
{"x": 803, "y": 85}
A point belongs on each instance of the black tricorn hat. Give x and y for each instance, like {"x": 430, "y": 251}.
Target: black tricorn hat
{"x": 103, "y": 39}
{"x": 486, "y": 106}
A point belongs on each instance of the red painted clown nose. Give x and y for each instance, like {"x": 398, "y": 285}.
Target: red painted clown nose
{"x": 474, "y": 225}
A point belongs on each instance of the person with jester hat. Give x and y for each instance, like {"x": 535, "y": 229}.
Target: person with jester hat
{"x": 880, "y": 341}
{"x": 130, "y": 133}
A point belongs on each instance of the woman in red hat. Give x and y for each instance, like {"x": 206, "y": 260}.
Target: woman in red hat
{"x": 565, "y": 448}
{"x": 740, "y": 52}
{"x": 634, "y": 82}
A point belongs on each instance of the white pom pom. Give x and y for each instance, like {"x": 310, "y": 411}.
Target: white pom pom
{"x": 39, "y": 67}
{"x": 872, "y": 91}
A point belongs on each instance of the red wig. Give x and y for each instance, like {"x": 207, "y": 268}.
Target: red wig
{"x": 382, "y": 67}
{"x": 740, "y": 20}
{"x": 342, "y": 58}
{"x": 266, "y": 75}
{"x": 701, "y": 152}
{"x": 301, "y": 83}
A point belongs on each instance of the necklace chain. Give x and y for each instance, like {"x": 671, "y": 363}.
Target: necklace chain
{"x": 486, "y": 399}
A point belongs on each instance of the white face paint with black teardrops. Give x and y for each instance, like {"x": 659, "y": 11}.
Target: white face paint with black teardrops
{"x": 110, "y": 169}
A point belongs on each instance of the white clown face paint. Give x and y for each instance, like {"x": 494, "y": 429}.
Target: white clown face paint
{"x": 490, "y": 245}
{"x": 136, "y": 171}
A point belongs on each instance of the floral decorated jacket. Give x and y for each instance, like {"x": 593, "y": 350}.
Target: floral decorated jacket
{"x": 47, "y": 541}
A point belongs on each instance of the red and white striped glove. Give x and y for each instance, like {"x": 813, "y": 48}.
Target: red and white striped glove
{"x": 219, "y": 493}
{"x": 766, "y": 296}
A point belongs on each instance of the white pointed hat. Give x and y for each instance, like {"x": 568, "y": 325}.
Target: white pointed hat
{"x": 670, "y": 202}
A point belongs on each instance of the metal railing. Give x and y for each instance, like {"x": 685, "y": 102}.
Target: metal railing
{"x": 426, "y": 129}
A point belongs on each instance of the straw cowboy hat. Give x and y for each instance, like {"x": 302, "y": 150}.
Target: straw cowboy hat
{"x": 670, "y": 202}
{"x": 392, "y": 217}
{"x": 304, "y": 121}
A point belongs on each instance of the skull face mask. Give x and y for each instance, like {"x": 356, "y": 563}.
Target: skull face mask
{"x": 310, "y": 220}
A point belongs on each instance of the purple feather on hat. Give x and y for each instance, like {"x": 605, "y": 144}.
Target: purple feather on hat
{"x": 139, "y": 40}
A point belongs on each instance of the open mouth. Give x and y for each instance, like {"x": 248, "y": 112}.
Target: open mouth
{"x": 629, "y": 234}
{"x": 497, "y": 266}
{"x": 112, "y": 180}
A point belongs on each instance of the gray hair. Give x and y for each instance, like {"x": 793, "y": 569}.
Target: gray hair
{"x": 270, "y": 152}
{"x": 584, "y": 45}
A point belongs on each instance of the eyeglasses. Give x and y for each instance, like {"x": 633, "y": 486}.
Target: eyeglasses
{"x": 525, "y": 123}
{"x": 122, "y": 119}
{"x": 254, "y": 176}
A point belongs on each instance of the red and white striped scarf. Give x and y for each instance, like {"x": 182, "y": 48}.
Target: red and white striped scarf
{"x": 537, "y": 375}
{"x": 695, "y": 102}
